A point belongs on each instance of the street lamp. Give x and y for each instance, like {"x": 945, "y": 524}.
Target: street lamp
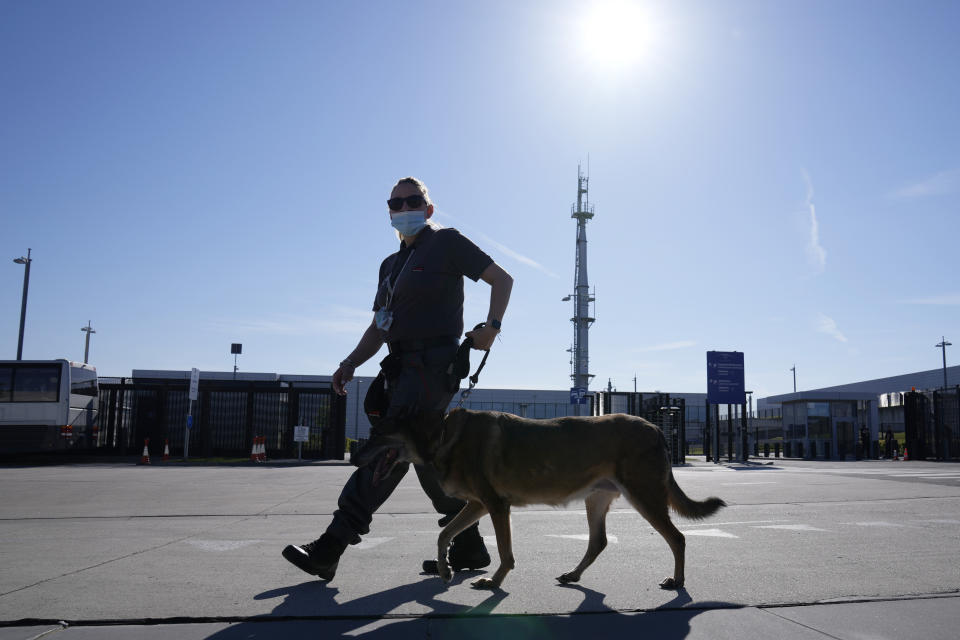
{"x": 943, "y": 345}
{"x": 23, "y": 304}
{"x": 794, "y": 369}
{"x": 86, "y": 350}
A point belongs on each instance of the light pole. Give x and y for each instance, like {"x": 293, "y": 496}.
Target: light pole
{"x": 23, "y": 304}
{"x": 943, "y": 345}
{"x": 794, "y": 369}
{"x": 86, "y": 349}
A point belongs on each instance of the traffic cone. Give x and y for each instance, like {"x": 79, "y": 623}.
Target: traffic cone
{"x": 253, "y": 451}
{"x": 166, "y": 450}
{"x": 145, "y": 458}
{"x": 263, "y": 449}
{"x": 906, "y": 455}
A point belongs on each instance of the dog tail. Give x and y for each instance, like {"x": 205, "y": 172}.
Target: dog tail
{"x": 686, "y": 506}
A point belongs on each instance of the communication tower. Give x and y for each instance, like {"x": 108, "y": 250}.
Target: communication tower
{"x": 582, "y": 320}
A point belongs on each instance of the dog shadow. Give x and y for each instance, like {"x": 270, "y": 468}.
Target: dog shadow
{"x": 309, "y": 610}
{"x": 669, "y": 621}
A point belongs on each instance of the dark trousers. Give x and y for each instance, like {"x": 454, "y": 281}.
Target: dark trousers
{"x": 421, "y": 385}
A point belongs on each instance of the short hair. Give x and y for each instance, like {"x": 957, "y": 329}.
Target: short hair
{"x": 418, "y": 184}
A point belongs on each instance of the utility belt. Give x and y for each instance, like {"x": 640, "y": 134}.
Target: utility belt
{"x": 401, "y": 346}
{"x": 376, "y": 401}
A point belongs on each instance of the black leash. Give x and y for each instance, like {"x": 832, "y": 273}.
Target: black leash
{"x": 463, "y": 358}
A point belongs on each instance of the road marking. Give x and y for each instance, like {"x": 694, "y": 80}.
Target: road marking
{"x": 710, "y": 533}
{"x": 791, "y": 527}
{"x": 221, "y": 545}
{"x": 582, "y": 536}
{"x": 726, "y": 524}
{"x": 370, "y": 543}
{"x": 741, "y": 484}
{"x": 879, "y": 523}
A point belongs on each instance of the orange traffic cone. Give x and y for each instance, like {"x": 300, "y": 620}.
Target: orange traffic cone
{"x": 145, "y": 458}
{"x": 166, "y": 450}
{"x": 906, "y": 455}
{"x": 253, "y": 450}
{"x": 263, "y": 449}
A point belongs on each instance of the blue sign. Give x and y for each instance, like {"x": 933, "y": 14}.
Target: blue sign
{"x": 725, "y": 377}
{"x": 578, "y": 395}
{"x": 189, "y": 422}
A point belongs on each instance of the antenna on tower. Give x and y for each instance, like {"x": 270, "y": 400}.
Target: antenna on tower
{"x": 582, "y": 320}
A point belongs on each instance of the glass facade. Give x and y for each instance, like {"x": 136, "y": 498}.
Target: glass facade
{"x": 826, "y": 428}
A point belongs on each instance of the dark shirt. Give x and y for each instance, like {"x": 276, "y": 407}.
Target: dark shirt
{"x": 428, "y": 284}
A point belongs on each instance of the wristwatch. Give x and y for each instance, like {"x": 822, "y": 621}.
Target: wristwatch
{"x": 495, "y": 324}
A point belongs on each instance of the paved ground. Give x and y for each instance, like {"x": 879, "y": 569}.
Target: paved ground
{"x": 805, "y": 550}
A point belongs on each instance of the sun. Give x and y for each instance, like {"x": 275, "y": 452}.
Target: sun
{"x": 616, "y": 33}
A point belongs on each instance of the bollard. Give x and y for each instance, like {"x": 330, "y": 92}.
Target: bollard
{"x": 776, "y": 450}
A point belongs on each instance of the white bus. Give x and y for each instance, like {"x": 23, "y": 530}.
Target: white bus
{"x": 46, "y": 405}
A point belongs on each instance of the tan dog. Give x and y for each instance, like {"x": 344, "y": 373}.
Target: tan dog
{"x": 497, "y": 460}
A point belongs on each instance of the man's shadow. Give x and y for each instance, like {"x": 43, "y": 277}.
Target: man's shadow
{"x": 311, "y": 607}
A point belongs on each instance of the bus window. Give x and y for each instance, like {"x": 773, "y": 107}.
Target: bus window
{"x": 6, "y": 384}
{"x": 83, "y": 382}
{"x": 37, "y": 383}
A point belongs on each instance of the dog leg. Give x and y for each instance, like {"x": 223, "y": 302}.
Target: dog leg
{"x": 654, "y": 509}
{"x": 471, "y": 512}
{"x": 501, "y": 525}
{"x": 598, "y": 503}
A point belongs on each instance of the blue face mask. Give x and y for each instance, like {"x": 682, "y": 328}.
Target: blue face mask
{"x": 408, "y": 223}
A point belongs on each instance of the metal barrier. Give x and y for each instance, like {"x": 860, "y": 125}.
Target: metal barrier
{"x": 226, "y": 417}
{"x": 932, "y": 424}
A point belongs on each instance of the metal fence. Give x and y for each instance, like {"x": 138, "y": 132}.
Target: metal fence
{"x": 932, "y": 424}
{"x": 659, "y": 408}
{"x": 226, "y": 417}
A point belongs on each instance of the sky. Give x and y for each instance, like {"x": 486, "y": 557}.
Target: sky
{"x": 777, "y": 178}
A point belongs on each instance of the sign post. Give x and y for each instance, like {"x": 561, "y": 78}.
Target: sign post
{"x": 301, "y": 434}
{"x": 194, "y": 387}
{"x": 578, "y": 395}
{"x": 725, "y": 386}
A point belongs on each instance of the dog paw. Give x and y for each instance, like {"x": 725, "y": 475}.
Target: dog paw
{"x": 567, "y": 578}
{"x": 670, "y": 583}
{"x": 484, "y": 583}
{"x": 444, "y": 570}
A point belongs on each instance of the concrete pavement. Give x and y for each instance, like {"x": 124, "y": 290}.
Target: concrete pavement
{"x": 847, "y": 550}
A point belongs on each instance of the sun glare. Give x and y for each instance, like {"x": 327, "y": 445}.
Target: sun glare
{"x": 616, "y": 33}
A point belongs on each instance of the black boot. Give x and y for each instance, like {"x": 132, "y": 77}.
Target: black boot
{"x": 319, "y": 558}
{"x": 466, "y": 552}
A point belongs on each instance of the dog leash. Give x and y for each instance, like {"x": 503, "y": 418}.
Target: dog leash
{"x": 465, "y": 348}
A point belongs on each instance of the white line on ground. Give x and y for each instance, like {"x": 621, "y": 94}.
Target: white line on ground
{"x": 582, "y": 536}
{"x": 791, "y": 527}
{"x": 709, "y": 533}
{"x": 221, "y": 545}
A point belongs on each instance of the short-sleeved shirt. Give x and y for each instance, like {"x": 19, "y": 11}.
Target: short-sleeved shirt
{"x": 427, "y": 282}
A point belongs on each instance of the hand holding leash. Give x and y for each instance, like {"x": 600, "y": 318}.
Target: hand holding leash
{"x": 482, "y": 336}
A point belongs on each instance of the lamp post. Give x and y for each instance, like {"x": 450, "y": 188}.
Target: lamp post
{"x": 86, "y": 349}
{"x": 23, "y": 304}
{"x": 943, "y": 345}
{"x": 794, "y": 369}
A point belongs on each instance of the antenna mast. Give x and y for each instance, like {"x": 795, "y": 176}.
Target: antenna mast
{"x": 581, "y": 288}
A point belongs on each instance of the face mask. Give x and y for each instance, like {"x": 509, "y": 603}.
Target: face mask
{"x": 408, "y": 223}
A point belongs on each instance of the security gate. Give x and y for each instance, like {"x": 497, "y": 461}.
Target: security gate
{"x": 226, "y": 417}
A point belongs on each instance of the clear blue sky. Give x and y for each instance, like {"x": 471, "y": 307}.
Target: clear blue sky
{"x": 777, "y": 178}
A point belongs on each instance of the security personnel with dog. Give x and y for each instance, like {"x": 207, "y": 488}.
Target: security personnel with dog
{"x": 418, "y": 312}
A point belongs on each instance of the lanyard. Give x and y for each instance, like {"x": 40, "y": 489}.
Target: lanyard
{"x": 391, "y": 287}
